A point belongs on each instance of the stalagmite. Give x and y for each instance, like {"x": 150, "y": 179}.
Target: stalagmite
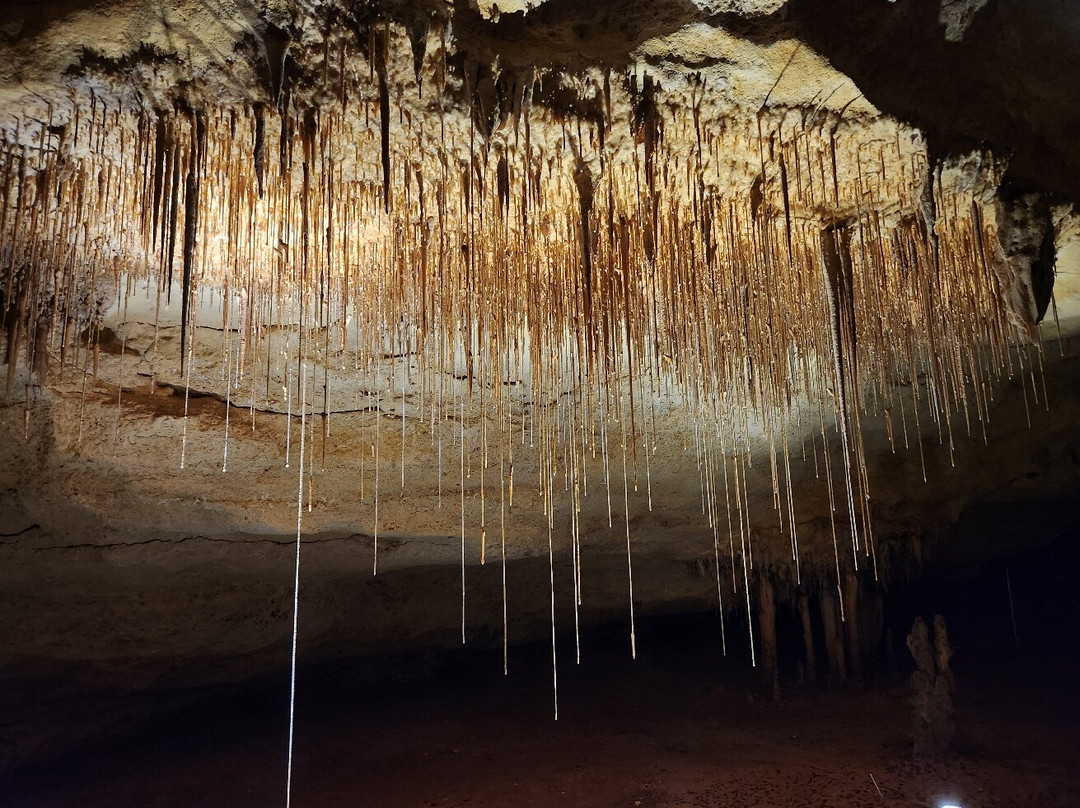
{"x": 834, "y": 638}
{"x": 853, "y": 626}
{"x": 872, "y": 614}
{"x": 770, "y": 678}
{"x": 809, "y": 654}
{"x": 934, "y": 728}
{"x": 944, "y": 684}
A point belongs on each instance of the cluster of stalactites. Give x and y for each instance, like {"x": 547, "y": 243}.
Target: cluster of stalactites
{"x": 772, "y": 276}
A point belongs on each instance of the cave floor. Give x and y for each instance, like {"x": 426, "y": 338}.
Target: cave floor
{"x": 678, "y": 727}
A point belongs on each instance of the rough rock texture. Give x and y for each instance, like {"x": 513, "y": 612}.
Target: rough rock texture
{"x": 1005, "y": 83}
{"x": 934, "y": 725}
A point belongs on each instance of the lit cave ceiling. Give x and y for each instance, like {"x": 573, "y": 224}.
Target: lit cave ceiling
{"x": 645, "y": 299}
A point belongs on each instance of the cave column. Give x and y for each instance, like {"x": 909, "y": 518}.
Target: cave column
{"x": 808, "y": 638}
{"x": 945, "y": 728}
{"x": 834, "y": 642}
{"x": 922, "y": 687}
{"x": 854, "y": 645}
{"x": 767, "y": 626}
{"x": 934, "y": 728}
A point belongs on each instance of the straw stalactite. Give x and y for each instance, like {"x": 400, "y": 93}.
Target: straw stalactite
{"x": 557, "y": 283}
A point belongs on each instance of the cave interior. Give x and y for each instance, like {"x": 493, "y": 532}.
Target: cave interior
{"x": 659, "y": 403}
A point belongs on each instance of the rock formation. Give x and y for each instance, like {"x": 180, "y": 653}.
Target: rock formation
{"x": 934, "y": 727}
{"x": 472, "y": 322}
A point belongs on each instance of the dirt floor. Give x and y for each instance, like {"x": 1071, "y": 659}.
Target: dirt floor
{"x": 676, "y": 728}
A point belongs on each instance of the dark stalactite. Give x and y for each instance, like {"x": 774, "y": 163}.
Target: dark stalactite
{"x": 381, "y": 52}
{"x": 647, "y": 129}
{"x": 584, "y": 181}
{"x": 191, "y": 224}
{"x": 787, "y": 210}
{"x": 174, "y": 200}
{"x": 259, "y": 151}
{"x": 162, "y": 150}
{"x": 417, "y": 30}
{"x": 503, "y": 182}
